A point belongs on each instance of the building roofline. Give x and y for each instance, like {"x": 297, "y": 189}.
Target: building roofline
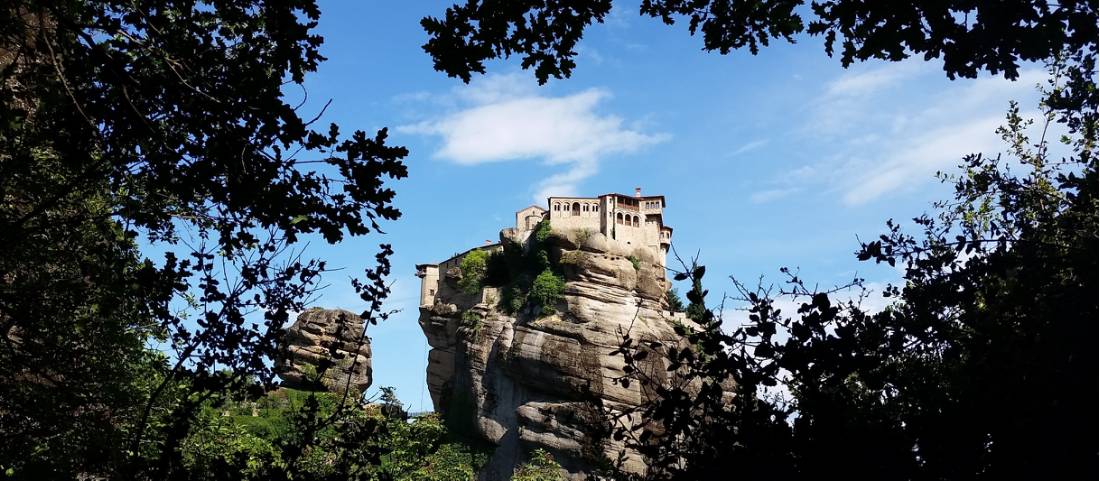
{"x": 663, "y": 202}
{"x": 467, "y": 251}
{"x": 530, "y": 206}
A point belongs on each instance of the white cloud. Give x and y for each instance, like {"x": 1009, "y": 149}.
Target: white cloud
{"x": 504, "y": 118}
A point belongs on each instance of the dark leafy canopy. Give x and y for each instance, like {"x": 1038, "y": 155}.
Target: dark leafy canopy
{"x": 165, "y": 121}
{"x": 984, "y": 366}
{"x": 969, "y": 36}
{"x": 545, "y": 32}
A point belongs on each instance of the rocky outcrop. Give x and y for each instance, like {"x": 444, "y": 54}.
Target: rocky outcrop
{"x": 528, "y": 381}
{"x": 326, "y": 349}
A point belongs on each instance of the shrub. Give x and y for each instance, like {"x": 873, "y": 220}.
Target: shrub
{"x": 635, "y": 262}
{"x": 473, "y": 267}
{"x": 542, "y": 231}
{"x": 583, "y": 235}
{"x": 541, "y": 467}
{"x": 547, "y": 290}
{"x": 513, "y": 299}
{"x": 675, "y": 304}
{"x": 472, "y": 321}
{"x": 571, "y": 257}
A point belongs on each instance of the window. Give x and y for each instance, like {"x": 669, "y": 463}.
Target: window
{"x": 619, "y": 218}
{"x": 576, "y": 208}
{"x": 585, "y": 207}
{"x": 635, "y": 221}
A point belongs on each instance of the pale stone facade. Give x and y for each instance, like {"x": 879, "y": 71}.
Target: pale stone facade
{"x": 630, "y": 221}
{"x": 627, "y": 222}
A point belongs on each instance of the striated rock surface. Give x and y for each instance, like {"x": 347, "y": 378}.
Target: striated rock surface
{"x": 326, "y": 349}
{"x": 527, "y": 381}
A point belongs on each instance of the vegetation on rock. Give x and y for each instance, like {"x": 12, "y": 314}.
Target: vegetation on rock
{"x": 541, "y": 467}
{"x": 546, "y": 291}
{"x": 473, "y": 267}
{"x": 527, "y": 275}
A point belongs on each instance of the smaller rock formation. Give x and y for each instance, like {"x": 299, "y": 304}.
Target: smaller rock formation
{"x": 326, "y": 349}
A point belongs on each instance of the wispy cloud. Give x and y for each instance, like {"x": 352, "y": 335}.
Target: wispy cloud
{"x": 883, "y": 140}
{"x": 503, "y": 118}
{"x": 750, "y": 146}
{"x": 769, "y": 195}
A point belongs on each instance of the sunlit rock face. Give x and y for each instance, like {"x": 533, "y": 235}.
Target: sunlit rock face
{"x": 527, "y": 381}
{"x": 326, "y": 349}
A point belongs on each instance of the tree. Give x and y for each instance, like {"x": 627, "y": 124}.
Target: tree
{"x": 982, "y": 368}
{"x": 473, "y": 267}
{"x": 675, "y": 304}
{"x": 168, "y": 123}
{"x": 970, "y": 37}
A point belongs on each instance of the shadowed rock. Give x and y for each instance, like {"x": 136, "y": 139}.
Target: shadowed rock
{"x": 526, "y": 381}
{"x": 326, "y": 349}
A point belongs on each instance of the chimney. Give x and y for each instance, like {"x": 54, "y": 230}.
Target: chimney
{"x": 637, "y": 192}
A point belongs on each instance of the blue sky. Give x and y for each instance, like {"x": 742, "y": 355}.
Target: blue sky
{"x": 780, "y": 159}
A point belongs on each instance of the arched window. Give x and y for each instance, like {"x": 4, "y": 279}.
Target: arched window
{"x": 635, "y": 221}
{"x": 557, "y": 206}
{"x": 585, "y": 207}
{"x": 619, "y": 218}
{"x": 576, "y": 208}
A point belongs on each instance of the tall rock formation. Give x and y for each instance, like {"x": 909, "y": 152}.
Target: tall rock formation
{"x": 528, "y": 379}
{"x": 326, "y": 349}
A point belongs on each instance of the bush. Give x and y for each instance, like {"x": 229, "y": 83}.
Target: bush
{"x": 635, "y": 262}
{"x": 513, "y": 299}
{"x": 473, "y": 267}
{"x": 571, "y": 258}
{"x": 542, "y": 231}
{"x": 471, "y": 321}
{"x": 290, "y": 434}
{"x": 541, "y": 467}
{"x": 546, "y": 291}
{"x": 675, "y": 304}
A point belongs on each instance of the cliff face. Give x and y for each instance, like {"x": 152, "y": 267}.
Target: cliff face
{"x": 527, "y": 380}
{"x": 323, "y": 350}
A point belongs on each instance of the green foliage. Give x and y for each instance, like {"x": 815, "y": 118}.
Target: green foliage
{"x": 424, "y": 451}
{"x": 307, "y": 435}
{"x": 998, "y": 302}
{"x": 473, "y": 268}
{"x": 165, "y": 125}
{"x": 675, "y": 304}
{"x": 541, "y": 467}
{"x": 635, "y": 262}
{"x": 970, "y": 37}
{"x": 542, "y": 231}
{"x": 471, "y": 321}
{"x": 520, "y": 271}
{"x": 547, "y": 291}
{"x": 571, "y": 257}
{"x": 513, "y": 300}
